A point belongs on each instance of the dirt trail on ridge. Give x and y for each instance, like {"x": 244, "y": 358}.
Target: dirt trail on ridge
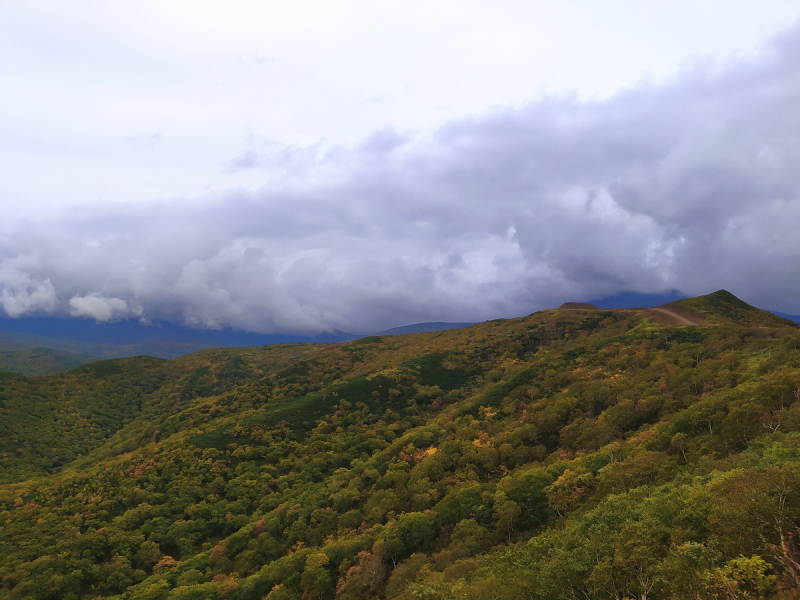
{"x": 680, "y": 319}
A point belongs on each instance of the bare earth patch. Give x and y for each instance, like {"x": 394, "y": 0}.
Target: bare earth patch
{"x": 680, "y": 319}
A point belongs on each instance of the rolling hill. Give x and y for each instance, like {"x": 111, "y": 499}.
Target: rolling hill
{"x": 37, "y": 360}
{"x": 128, "y": 338}
{"x": 588, "y": 453}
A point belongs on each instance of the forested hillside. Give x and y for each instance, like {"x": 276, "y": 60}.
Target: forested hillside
{"x": 568, "y": 454}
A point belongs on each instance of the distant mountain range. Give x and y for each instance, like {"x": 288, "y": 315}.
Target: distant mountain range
{"x": 795, "y": 318}
{"x": 636, "y": 300}
{"x": 38, "y": 345}
{"x": 132, "y": 338}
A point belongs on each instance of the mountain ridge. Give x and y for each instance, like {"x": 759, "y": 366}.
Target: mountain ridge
{"x": 79, "y": 341}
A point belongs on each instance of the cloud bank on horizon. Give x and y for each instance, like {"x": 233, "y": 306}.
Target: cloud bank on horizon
{"x": 692, "y": 184}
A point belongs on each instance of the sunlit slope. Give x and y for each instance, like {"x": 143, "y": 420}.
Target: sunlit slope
{"x": 46, "y": 422}
{"x": 571, "y": 453}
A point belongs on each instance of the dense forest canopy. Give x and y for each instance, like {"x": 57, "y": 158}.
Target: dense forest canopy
{"x": 576, "y": 453}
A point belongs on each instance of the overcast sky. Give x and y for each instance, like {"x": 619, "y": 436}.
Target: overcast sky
{"x": 301, "y": 166}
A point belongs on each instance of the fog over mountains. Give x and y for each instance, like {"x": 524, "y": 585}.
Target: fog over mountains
{"x": 689, "y": 184}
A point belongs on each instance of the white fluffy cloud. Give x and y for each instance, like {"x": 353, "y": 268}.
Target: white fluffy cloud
{"x": 97, "y": 307}
{"x": 20, "y": 295}
{"x": 691, "y": 185}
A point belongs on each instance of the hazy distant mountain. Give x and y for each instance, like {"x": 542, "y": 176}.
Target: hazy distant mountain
{"x": 795, "y": 318}
{"x": 423, "y": 328}
{"x": 161, "y": 339}
{"x": 41, "y": 345}
{"x": 39, "y": 361}
{"x": 334, "y": 337}
{"x": 132, "y": 338}
{"x": 637, "y": 300}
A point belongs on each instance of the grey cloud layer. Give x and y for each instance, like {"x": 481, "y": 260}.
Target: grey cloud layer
{"x": 691, "y": 185}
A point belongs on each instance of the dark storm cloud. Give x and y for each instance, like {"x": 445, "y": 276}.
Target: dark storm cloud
{"x": 690, "y": 185}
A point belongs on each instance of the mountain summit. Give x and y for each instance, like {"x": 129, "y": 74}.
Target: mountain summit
{"x": 723, "y": 308}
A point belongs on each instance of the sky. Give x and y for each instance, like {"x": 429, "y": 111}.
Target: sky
{"x": 304, "y": 166}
